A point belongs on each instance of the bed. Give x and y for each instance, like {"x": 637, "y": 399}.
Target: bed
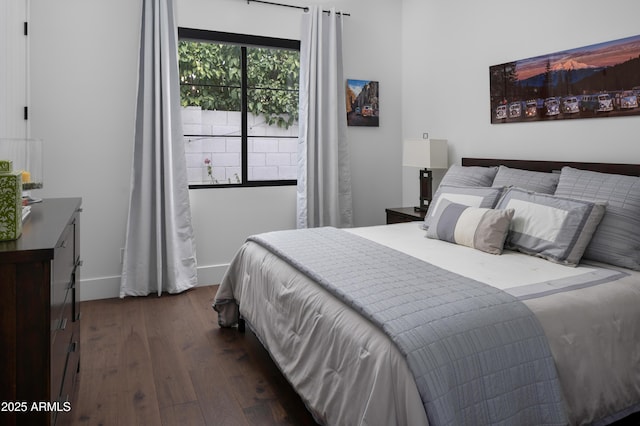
{"x": 476, "y": 316}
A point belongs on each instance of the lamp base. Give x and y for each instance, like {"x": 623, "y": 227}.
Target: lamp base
{"x": 425, "y": 190}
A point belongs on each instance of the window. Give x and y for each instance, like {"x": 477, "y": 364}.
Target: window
{"x": 239, "y": 96}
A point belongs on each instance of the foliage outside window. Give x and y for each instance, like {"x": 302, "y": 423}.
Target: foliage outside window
{"x": 226, "y": 75}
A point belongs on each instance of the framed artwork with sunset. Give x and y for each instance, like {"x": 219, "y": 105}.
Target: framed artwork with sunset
{"x": 600, "y": 80}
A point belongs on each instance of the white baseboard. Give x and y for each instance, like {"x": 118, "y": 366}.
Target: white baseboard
{"x": 109, "y": 287}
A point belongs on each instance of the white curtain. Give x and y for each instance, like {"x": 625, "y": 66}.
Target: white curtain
{"x": 324, "y": 177}
{"x": 160, "y": 248}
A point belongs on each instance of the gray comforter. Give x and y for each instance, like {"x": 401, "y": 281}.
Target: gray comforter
{"x": 479, "y": 356}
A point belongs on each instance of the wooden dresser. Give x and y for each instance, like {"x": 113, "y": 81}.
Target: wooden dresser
{"x": 39, "y": 315}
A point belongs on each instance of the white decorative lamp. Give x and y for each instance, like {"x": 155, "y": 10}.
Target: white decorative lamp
{"x": 427, "y": 154}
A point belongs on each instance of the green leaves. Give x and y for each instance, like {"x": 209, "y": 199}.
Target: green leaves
{"x": 211, "y": 76}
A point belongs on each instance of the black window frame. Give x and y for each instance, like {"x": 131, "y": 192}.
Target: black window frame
{"x": 244, "y": 40}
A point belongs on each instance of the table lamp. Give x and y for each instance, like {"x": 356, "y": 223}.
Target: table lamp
{"x": 427, "y": 154}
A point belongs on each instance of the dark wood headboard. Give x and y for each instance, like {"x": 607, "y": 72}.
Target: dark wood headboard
{"x": 549, "y": 166}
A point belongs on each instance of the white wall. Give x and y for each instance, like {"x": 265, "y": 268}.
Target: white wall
{"x": 83, "y": 92}
{"x": 448, "y": 48}
{"x": 84, "y": 65}
{"x": 14, "y": 89}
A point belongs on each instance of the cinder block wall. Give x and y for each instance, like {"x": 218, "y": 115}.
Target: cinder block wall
{"x": 215, "y": 136}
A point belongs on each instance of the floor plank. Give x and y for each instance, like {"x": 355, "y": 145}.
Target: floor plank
{"x": 164, "y": 361}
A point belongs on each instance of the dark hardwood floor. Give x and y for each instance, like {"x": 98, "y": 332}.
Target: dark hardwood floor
{"x": 164, "y": 361}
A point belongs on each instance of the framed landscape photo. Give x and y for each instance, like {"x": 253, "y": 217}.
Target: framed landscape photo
{"x": 600, "y": 80}
{"x": 362, "y": 103}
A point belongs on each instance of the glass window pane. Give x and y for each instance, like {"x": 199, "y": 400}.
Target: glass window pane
{"x": 210, "y": 75}
{"x": 272, "y": 103}
{"x": 272, "y": 158}
{"x": 213, "y": 160}
{"x": 273, "y": 80}
{"x": 209, "y": 63}
{"x": 277, "y": 108}
{"x": 272, "y": 67}
{"x": 211, "y": 97}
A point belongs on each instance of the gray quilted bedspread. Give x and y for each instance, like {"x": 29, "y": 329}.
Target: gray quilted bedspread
{"x": 479, "y": 356}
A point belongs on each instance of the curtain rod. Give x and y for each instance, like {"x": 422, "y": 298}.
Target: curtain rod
{"x": 306, "y": 9}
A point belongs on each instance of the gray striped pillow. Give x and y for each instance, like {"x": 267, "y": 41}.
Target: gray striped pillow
{"x": 541, "y": 182}
{"x": 469, "y": 176}
{"x": 617, "y": 239}
{"x": 554, "y": 228}
{"x": 471, "y": 196}
{"x": 479, "y": 228}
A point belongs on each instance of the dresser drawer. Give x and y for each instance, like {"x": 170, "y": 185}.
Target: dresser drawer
{"x": 65, "y": 358}
{"x": 60, "y": 341}
{"x": 62, "y": 273}
{"x": 71, "y": 366}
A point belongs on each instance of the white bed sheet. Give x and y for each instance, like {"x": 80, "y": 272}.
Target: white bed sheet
{"x": 506, "y": 271}
{"x": 361, "y": 377}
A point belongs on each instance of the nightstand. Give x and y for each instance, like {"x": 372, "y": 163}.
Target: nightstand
{"x": 404, "y": 214}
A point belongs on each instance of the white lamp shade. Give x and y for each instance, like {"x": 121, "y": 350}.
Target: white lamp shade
{"x": 425, "y": 153}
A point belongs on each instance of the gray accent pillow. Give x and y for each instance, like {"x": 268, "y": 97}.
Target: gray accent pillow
{"x": 542, "y": 182}
{"x": 554, "y": 228}
{"x": 469, "y": 176}
{"x": 617, "y": 239}
{"x": 478, "y": 228}
{"x": 474, "y": 196}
